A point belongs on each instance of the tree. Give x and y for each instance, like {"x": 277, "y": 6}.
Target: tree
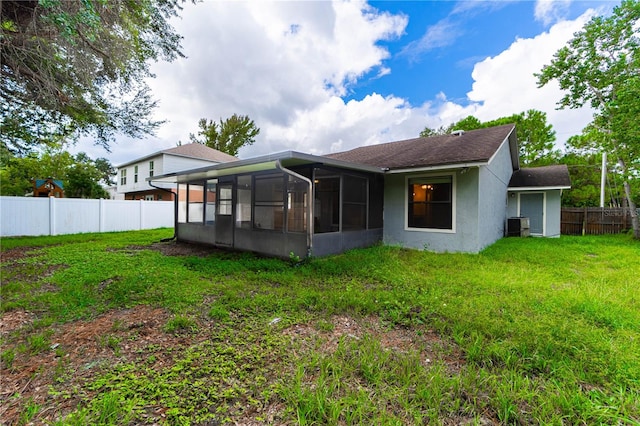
{"x": 77, "y": 67}
{"x": 601, "y": 67}
{"x": 227, "y": 136}
{"x": 80, "y": 175}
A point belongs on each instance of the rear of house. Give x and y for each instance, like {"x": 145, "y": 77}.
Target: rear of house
{"x": 443, "y": 193}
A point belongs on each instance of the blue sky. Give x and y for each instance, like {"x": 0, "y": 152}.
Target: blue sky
{"x": 320, "y": 77}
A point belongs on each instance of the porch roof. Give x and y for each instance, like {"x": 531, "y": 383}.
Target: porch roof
{"x": 537, "y": 178}
{"x": 266, "y": 162}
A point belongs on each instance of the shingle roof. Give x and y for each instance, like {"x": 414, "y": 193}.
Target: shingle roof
{"x": 191, "y": 150}
{"x": 198, "y": 150}
{"x": 546, "y": 176}
{"x": 469, "y": 147}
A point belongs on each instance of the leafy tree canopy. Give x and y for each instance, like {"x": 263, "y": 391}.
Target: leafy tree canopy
{"x": 227, "y": 136}
{"x": 81, "y": 176}
{"x": 77, "y": 67}
{"x": 600, "y": 67}
{"x": 535, "y": 135}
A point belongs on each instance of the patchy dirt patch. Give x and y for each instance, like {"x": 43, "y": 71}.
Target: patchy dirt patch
{"x": 76, "y": 352}
{"x": 428, "y": 344}
{"x": 17, "y": 253}
{"x": 174, "y": 248}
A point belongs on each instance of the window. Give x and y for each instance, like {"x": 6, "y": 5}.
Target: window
{"x": 269, "y": 202}
{"x": 150, "y": 168}
{"x": 182, "y": 203}
{"x": 243, "y": 204}
{"x": 430, "y": 202}
{"x": 148, "y": 197}
{"x": 210, "y": 208}
{"x": 225, "y": 198}
{"x": 123, "y": 177}
{"x": 195, "y": 209}
{"x": 354, "y": 203}
{"x": 135, "y": 174}
{"x": 296, "y": 205}
{"x": 326, "y": 207}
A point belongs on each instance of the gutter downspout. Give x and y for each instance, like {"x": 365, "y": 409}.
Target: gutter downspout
{"x": 310, "y": 209}
{"x": 175, "y": 211}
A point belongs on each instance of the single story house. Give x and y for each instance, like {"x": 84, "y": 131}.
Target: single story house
{"x": 443, "y": 193}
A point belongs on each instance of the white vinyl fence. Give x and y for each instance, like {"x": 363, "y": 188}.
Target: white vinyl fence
{"x": 57, "y": 216}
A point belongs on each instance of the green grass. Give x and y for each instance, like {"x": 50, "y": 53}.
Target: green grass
{"x": 530, "y": 331}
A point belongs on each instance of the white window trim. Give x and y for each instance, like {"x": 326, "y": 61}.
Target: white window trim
{"x": 453, "y": 203}
{"x": 544, "y": 210}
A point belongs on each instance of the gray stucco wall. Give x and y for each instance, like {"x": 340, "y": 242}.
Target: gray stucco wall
{"x": 465, "y": 238}
{"x": 552, "y": 212}
{"x": 480, "y": 211}
{"x": 492, "y": 210}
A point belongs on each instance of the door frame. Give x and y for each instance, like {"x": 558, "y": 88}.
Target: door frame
{"x": 225, "y": 224}
{"x": 544, "y": 209}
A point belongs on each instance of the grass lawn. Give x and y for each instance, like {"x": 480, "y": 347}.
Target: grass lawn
{"x": 121, "y": 329}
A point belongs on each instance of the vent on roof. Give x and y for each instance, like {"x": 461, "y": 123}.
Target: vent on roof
{"x": 457, "y": 132}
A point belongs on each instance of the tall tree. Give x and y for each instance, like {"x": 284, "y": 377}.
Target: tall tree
{"x": 81, "y": 176}
{"x": 535, "y": 136}
{"x": 227, "y": 136}
{"x": 77, "y": 67}
{"x": 601, "y": 67}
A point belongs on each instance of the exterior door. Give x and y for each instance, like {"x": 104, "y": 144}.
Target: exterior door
{"x": 532, "y": 206}
{"x": 224, "y": 214}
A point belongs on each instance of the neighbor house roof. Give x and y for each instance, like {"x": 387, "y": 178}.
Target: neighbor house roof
{"x": 266, "y": 162}
{"x": 471, "y": 147}
{"x": 190, "y": 150}
{"x": 556, "y": 177}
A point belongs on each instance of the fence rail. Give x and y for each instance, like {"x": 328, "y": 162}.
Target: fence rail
{"x": 57, "y": 216}
{"x": 594, "y": 220}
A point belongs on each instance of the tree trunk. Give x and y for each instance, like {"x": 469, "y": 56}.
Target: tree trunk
{"x": 635, "y": 223}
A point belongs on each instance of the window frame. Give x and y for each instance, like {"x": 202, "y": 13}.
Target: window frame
{"x": 123, "y": 177}
{"x": 151, "y": 167}
{"x": 135, "y": 174}
{"x": 452, "y": 230}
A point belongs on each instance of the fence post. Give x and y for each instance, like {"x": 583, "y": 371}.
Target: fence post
{"x": 52, "y": 216}
{"x": 100, "y": 215}
{"x": 141, "y": 213}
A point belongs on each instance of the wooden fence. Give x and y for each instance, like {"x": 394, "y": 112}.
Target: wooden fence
{"x": 594, "y": 220}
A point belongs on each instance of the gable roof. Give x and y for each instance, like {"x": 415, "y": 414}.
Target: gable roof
{"x": 198, "y": 150}
{"x": 57, "y": 182}
{"x": 190, "y": 150}
{"x": 474, "y": 146}
{"x": 556, "y": 176}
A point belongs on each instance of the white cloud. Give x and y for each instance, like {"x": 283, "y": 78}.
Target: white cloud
{"x": 549, "y": 11}
{"x": 505, "y": 84}
{"x": 288, "y": 64}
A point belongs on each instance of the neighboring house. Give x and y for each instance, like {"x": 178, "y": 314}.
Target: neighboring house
{"x": 113, "y": 193}
{"x": 443, "y": 193}
{"x": 132, "y": 176}
{"x": 48, "y": 187}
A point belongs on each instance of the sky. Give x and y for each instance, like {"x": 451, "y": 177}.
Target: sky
{"x": 320, "y": 76}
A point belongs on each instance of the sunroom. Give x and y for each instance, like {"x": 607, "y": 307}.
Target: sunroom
{"x": 287, "y": 204}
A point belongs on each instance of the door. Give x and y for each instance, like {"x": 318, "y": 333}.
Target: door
{"x": 532, "y": 206}
{"x": 224, "y": 214}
